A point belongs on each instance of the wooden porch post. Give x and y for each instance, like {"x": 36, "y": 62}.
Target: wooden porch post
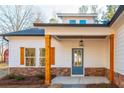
{"x": 112, "y": 58}
{"x": 47, "y": 60}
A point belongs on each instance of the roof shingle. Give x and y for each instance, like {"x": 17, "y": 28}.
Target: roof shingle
{"x": 27, "y": 32}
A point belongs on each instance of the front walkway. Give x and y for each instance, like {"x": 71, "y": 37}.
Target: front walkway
{"x": 80, "y": 80}
{"x": 3, "y": 69}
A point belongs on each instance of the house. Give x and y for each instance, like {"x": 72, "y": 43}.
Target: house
{"x": 78, "y": 18}
{"x": 75, "y": 49}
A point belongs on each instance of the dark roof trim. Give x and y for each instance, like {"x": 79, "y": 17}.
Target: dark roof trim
{"x": 114, "y": 18}
{"x": 5, "y": 39}
{"x": 116, "y": 15}
{"x": 70, "y": 25}
{"x": 83, "y": 37}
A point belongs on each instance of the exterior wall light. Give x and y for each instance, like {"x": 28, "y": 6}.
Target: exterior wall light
{"x": 81, "y": 43}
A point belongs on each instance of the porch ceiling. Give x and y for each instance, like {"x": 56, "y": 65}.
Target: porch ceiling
{"x": 61, "y": 37}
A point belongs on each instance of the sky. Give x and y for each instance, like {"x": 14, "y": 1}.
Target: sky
{"x": 49, "y": 11}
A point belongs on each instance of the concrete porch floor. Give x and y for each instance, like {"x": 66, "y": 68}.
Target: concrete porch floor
{"x": 79, "y": 80}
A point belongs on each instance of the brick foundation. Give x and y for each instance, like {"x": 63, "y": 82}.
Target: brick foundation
{"x": 29, "y": 71}
{"x": 119, "y": 79}
{"x": 94, "y": 71}
{"x": 59, "y": 71}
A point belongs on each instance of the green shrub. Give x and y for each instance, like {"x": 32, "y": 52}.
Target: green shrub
{"x": 16, "y": 77}
{"x": 10, "y": 76}
{"x": 103, "y": 85}
{"x": 40, "y": 76}
{"x": 53, "y": 76}
{"x": 19, "y": 78}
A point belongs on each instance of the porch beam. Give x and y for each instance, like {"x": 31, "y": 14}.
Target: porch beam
{"x": 47, "y": 60}
{"x": 112, "y": 58}
{"x": 56, "y": 38}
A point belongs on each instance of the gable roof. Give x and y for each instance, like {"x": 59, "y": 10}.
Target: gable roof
{"x": 27, "y": 32}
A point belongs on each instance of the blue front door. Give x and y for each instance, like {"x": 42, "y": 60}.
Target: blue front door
{"x": 77, "y": 61}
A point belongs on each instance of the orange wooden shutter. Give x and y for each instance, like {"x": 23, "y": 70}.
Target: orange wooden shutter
{"x": 22, "y": 55}
{"x": 52, "y": 55}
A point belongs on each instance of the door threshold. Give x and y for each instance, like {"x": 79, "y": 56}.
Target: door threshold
{"x": 77, "y": 75}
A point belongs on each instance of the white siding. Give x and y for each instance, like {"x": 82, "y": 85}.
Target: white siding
{"x": 119, "y": 51}
{"x": 77, "y": 30}
{"x": 15, "y": 44}
{"x": 89, "y": 19}
{"x": 94, "y": 51}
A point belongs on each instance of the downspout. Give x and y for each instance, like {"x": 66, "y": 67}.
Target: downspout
{"x": 5, "y": 39}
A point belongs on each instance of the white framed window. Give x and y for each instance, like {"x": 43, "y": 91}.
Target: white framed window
{"x": 30, "y": 57}
{"x": 42, "y": 57}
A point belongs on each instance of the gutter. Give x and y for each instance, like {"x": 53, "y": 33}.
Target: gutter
{"x": 5, "y": 39}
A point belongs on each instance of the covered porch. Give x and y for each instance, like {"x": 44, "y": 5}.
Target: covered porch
{"x": 79, "y": 79}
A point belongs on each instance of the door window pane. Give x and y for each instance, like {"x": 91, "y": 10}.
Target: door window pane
{"x": 77, "y": 58}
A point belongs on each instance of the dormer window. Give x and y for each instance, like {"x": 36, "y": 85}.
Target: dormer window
{"x": 72, "y": 21}
{"x": 82, "y": 21}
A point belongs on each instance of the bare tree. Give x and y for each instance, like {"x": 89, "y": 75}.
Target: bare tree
{"x": 83, "y": 9}
{"x": 94, "y": 8}
{"x": 54, "y": 18}
{"x": 39, "y": 17}
{"x": 108, "y": 14}
{"x": 14, "y": 18}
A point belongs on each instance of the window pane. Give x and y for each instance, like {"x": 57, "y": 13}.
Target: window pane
{"x": 30, "y": 61}
{"x": 30, "y": 52}
{"x": 72, "y": 21}
{"x": 82, "y": 21}
{"x": 42, "y": 61}
{"x": 42, "y": 52}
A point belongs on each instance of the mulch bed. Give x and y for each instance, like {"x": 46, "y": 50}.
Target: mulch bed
{"x": 30, "y": 81}
{"x": 38, "y": 82}
{"x": 27, "y": 81}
